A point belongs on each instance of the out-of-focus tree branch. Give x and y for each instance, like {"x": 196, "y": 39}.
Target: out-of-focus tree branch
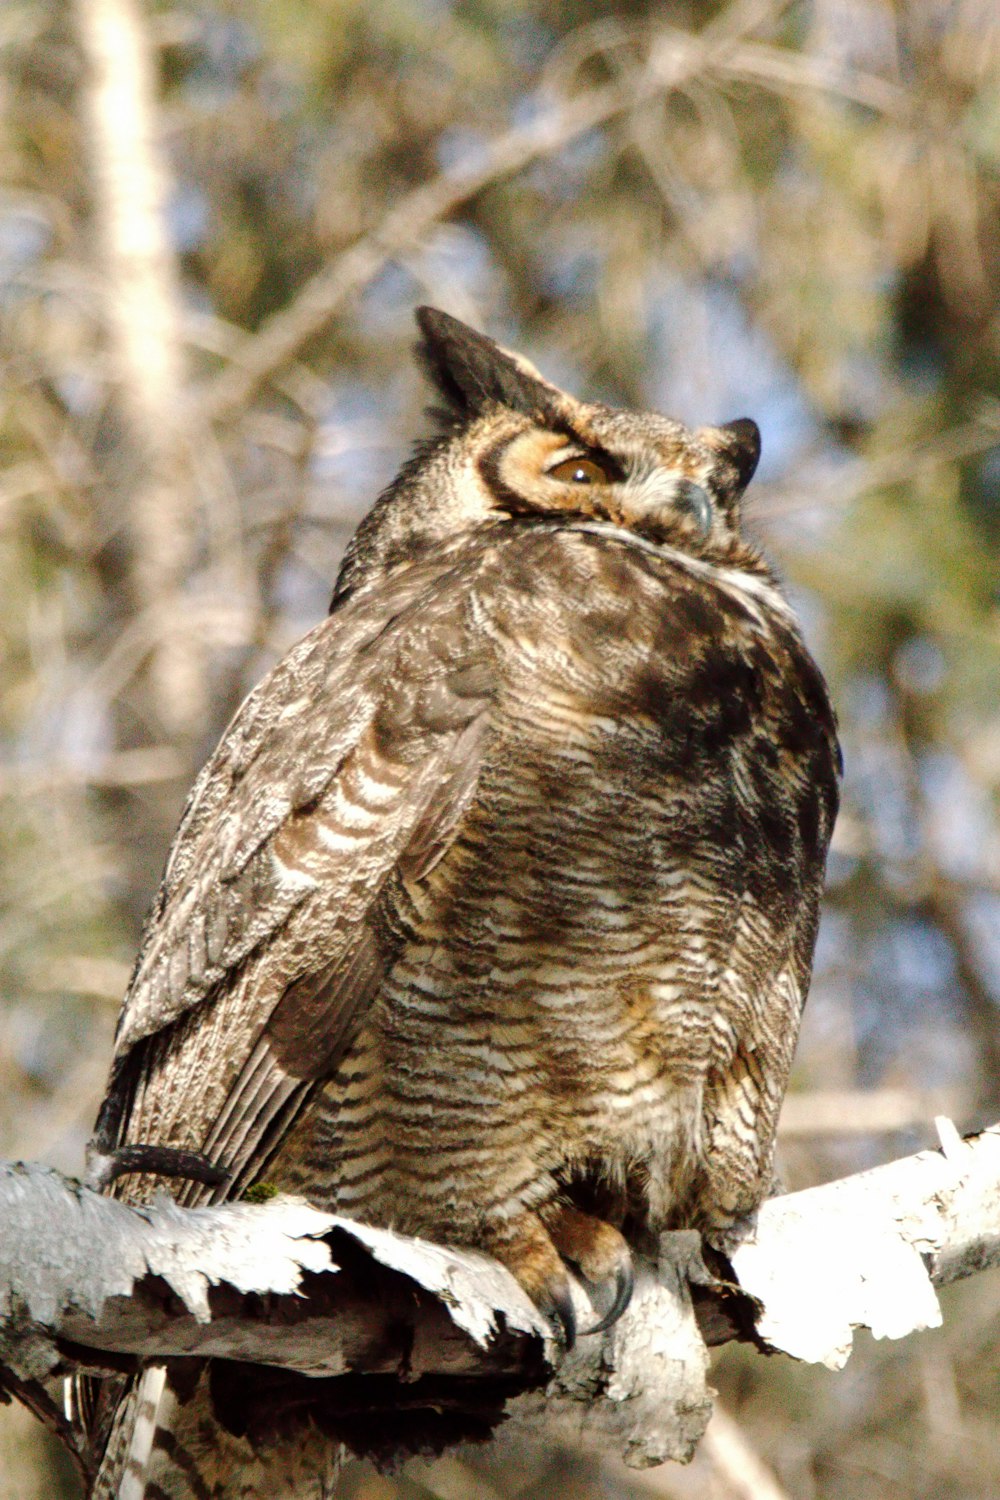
{"x": 143, "y": 321}
{"x": 257, "y": 357}
{"x": 675, "y": 60}
{"x": 944, "y": 907}
{"x": 847, "y": 1112}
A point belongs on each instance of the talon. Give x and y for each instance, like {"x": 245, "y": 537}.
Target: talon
{"x": 557, "y": 1305}
{"x": 527, "y": 1251}
{"x": 624, "y": 1286}
{"x": 602, "y": 1258}
{"x": 104, "y": 1168}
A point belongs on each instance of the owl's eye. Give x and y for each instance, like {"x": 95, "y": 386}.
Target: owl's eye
{"x": 579, "y": 471}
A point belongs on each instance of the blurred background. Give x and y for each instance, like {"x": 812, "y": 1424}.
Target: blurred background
{"x": 215, "y": 221}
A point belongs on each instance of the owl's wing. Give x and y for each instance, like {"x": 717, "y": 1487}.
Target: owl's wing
{"x": 350, "y": 765}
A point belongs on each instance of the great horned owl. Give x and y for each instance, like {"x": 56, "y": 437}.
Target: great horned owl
{"x": 492, "y": 917}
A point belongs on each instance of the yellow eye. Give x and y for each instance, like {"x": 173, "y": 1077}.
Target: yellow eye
{"x": 579, "y": 471}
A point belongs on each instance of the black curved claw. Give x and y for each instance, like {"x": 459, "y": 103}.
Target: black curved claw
{"x": 558, "y": 1308}
{"x": 164, "y": 1161}
{"x": 624, "y": 1286}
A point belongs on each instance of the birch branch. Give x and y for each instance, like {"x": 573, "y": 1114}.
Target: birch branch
{"x": 392, "y": 1322}
{"x": 870, "y": 1250}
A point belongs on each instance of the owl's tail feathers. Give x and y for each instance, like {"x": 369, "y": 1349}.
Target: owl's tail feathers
{"x": 166, "y": 1444}
{"x": 140, "y": 1435}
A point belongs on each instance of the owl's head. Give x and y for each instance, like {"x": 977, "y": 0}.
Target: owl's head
{"x": 513, "y": 449}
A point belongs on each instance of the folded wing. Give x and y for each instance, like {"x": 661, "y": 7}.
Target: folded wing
{"x": 353, "y": 762}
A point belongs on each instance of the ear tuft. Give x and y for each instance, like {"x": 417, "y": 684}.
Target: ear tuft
{"x": 471, "y": 371}
{"x": 743, "y": 446}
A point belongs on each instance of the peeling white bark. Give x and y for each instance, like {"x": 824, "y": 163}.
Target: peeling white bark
{"x": 868, "y": 1251}
{"x": 86, "y": 1281}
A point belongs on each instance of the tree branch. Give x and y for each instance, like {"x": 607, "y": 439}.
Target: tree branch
{"x": 388, "y": 1323}
{"x": 869, "y": 1251}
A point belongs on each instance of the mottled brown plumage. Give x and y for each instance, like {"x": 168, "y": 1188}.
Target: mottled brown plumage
{"x": 492, "y": 916}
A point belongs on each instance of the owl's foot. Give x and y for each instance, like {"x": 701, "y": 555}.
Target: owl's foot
{"x": 105, "y": 1167}
{"x": 527, "y": 1251}
{"x": 537, "y": 1248}
{"x": 601, "y": 1256}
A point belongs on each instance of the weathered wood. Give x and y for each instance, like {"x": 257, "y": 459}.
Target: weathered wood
{"x": 88, "y": 1282}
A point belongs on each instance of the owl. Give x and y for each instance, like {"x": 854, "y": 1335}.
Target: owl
{"x": 491, "y": 918}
